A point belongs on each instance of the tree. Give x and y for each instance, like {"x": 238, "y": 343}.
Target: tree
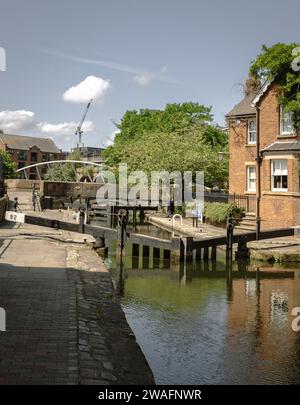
{"x": 277, "y": 63}
{"x": 9, "y": 167}
{"x": 179, "y": 138}
{"x": 64, "y": 171}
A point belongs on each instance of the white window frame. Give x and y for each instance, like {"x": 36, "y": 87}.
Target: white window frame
{"x": 249, "y": 168}
{"x": 284, "y": 172}
{"x": 283, "y": 118}
{"x": 251, "y": 132}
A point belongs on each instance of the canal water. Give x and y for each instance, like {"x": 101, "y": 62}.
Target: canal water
{"x": 211, "y": 325}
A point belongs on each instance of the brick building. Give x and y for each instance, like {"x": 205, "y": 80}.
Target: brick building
{"x": 264, "y": 157}
{"x": 28, "y": 150}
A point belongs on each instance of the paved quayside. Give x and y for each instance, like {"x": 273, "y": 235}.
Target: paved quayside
{"x": 64, "y": 322}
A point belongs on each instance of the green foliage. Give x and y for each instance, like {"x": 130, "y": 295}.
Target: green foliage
{"x": 275, "y": 63}
{"x": 217, "y": 212}
{"x": 179, "y": 138}
{"x": 9, "y": 167}
{"x": 65, "y": 171}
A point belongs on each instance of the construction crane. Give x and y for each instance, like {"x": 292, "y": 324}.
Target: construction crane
{"x": 79, "y": 130}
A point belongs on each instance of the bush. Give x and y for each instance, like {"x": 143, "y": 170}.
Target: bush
{"x": 9, "y": 167}
{"x": 217, "y": 212}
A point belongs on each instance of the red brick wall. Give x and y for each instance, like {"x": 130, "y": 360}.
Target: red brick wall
{"x": 277, "y": 209}
{"x": 240, "y": 153}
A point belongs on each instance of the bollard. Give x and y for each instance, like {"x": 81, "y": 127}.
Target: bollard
{"x": 81, "y": 220}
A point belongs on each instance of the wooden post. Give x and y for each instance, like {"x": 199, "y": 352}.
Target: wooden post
{"x": 141, "y": 259}
{"x": 156, "y": 253}
{"x": 177, "y": 251}
{"x": 135, "y": 250}
{"x": 151, "y": 257}
{"x": 206, "y": 254}
{"x": 214, "y": 265}
{"x": 146, "y": 253}
{"x": 214, "y": 253}
{"x": 142, "y": 216}
{"x": 188, "y": 244}
{"x": 198, "y": 254}
{"x": 167, "y": 254}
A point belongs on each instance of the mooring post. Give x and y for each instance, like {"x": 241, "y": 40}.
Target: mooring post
{"x": 81, "y": 220}
{"x": 229, "y": 237}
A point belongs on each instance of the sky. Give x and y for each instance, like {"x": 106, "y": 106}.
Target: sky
{"x": 127, "y": 54}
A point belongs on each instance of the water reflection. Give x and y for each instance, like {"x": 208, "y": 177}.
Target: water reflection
{"x": 212, "y": 323}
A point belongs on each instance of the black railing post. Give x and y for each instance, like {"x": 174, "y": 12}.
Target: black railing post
{"x": 122, "y": 223}
{"x": 229, "y": 237}
{"x": 258, "y": 223}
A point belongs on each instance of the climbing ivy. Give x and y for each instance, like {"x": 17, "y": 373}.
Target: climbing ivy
{"x": 276, "y": 63}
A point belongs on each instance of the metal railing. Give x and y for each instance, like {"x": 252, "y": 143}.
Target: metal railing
{"x": 248, "y": 202}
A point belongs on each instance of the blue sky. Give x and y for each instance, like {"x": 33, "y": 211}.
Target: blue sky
{"x": 147, "y": 53}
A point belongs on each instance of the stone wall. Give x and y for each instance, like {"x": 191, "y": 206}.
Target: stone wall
{"x": 54, "y": 188}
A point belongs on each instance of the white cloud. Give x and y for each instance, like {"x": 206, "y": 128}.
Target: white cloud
{"x": 143, "y": 79}
{"x": 110, "y": 139}
{"x": 64, "y": 128}
{"x": 142, "y": 76}
{"x": 13, "y": 121}
{"x": 91, "y": 87}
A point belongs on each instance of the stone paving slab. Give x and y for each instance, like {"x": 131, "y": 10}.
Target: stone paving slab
{"x": 40, "y": 305}
{"x": 64, "y": 323}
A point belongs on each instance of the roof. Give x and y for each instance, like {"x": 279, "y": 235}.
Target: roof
{"x": 27, "y": 142}
{"x": 248, "y": 104}
{"x": 261, "y": 92}
{"x": 244, "y": 107}
{"x": 283, "y": 147}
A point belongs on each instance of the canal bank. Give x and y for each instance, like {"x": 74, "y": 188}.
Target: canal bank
{"x": 64, "y": 322}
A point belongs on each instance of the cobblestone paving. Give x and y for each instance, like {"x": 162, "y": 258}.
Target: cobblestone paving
{"x": 108, "y": 352}
{"x": 64, "y": 323}
{"x": 39, "y": 345}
